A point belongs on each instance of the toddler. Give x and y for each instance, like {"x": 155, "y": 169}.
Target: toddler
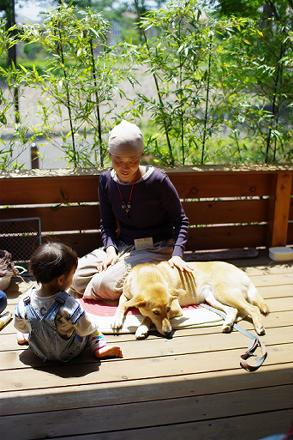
{"x": 58, "y": 328}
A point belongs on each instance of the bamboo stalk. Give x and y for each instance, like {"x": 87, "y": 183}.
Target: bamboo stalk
{"x": 275, "y": 106}
{"x": 68, "y": 103}
{"x": 94, "y": 74}
{"x": 180, "y": 97}
{"x": 162, "y": 107}
{"x": 12, "y": 58}
{"x": 206, "y": 102}
{"x": 278, "y": 105}
{"x": 139, "y": 13}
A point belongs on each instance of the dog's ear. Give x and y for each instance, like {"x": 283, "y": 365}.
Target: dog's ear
{"x": 138, "y": 301}
{"x": 140, "y": 304}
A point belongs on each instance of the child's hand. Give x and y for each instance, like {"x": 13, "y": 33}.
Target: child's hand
{"x": 181, "y": 265}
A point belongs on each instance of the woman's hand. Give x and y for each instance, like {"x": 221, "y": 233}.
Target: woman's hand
{"x": 110, "y": 259}
{"x": 181, "y": 265}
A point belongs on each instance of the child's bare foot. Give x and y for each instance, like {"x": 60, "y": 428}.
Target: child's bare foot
{"x": 22, "y": 338}
{"x": 107, "y": 351}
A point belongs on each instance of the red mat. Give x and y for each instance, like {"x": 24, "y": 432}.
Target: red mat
{"x": 193, "y": 316}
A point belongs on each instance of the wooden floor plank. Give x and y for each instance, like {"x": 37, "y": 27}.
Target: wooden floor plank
{"x": 98, "y": 394}
{"x": 268, "y": 269}
{"x": 272, "y": 279}
{"x": 121, "y": 370}
{"x": 147, "y": 414}
{"x": 250, "y": 427}
{"x": 167, "y": 347}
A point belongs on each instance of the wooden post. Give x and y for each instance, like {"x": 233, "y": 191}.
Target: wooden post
{"x": 280, "y": 208}
{"x": 34, "y": 156}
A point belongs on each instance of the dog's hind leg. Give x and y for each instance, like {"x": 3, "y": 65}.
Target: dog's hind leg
{"x": 231, "y": 312}
{"x": 234, "y": 297}
{"x": 256, "y": 299}
{"x": 254, "y": 313}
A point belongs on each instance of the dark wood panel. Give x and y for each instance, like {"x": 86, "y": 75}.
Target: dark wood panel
{"x": 37, "y": 190}
{"x": 198, "y": 239}
{"x": 290, "y": 234}
{"x": 62, "y": 218}
{"x": 280, "y": 209}
{"x": 221, "y": 185}
{"x": 291, "y": 209}
{"x": 82, "y": 243}
{"x": 65, "y": 218}
{"x": 64, "y": 189}
{"x": 233, "y": 211}
{"x": 226, "y": 237}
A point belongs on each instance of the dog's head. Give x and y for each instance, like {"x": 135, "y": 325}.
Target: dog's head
{"x": 159, "y": 305}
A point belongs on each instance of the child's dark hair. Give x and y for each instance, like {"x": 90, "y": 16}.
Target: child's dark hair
{"x": 51, "y": 260}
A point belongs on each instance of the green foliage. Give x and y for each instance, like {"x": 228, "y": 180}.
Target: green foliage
{"x": 81, "y": 75}
{"x": 223, "y": 83}
{"x": 31, "y": 50}
{"x": 227, "y": 77}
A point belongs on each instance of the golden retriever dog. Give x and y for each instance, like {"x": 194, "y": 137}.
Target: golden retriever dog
{"x": 159, "y": 291}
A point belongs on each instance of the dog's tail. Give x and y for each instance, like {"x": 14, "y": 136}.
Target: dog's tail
{"x": 256, "y": 299}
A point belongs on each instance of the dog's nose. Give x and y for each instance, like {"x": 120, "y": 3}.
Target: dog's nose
{"x": 169, "y": 334}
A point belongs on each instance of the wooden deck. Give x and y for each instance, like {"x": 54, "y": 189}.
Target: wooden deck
{"x": 190, "y": 387}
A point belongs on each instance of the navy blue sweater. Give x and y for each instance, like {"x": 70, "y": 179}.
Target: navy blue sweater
{"x": 156, "y": 211}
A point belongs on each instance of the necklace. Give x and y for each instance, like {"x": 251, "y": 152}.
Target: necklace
{"x": 126, "y": 207}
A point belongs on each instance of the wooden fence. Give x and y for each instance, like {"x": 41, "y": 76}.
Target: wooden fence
{"x": 227, "y": 208}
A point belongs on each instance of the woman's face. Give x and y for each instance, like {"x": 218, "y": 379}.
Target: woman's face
{"x": 126, "y": 166}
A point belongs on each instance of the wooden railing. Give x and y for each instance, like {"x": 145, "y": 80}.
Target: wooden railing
{"x": 227, "y": 208}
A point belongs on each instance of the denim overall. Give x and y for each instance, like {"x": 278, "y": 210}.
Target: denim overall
{"x": 45, "y": 341}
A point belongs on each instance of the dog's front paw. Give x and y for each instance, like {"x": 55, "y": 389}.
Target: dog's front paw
{"x": 117, "y": 323}
{"x": 142, "y": 332}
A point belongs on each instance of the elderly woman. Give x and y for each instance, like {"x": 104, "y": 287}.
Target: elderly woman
{"x": 142, "y": 219}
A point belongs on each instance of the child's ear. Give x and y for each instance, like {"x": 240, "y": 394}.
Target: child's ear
{"x": 60, "y": 280}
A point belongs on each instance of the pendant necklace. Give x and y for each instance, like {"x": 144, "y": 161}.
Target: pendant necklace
{"x": 126, "y": 207}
